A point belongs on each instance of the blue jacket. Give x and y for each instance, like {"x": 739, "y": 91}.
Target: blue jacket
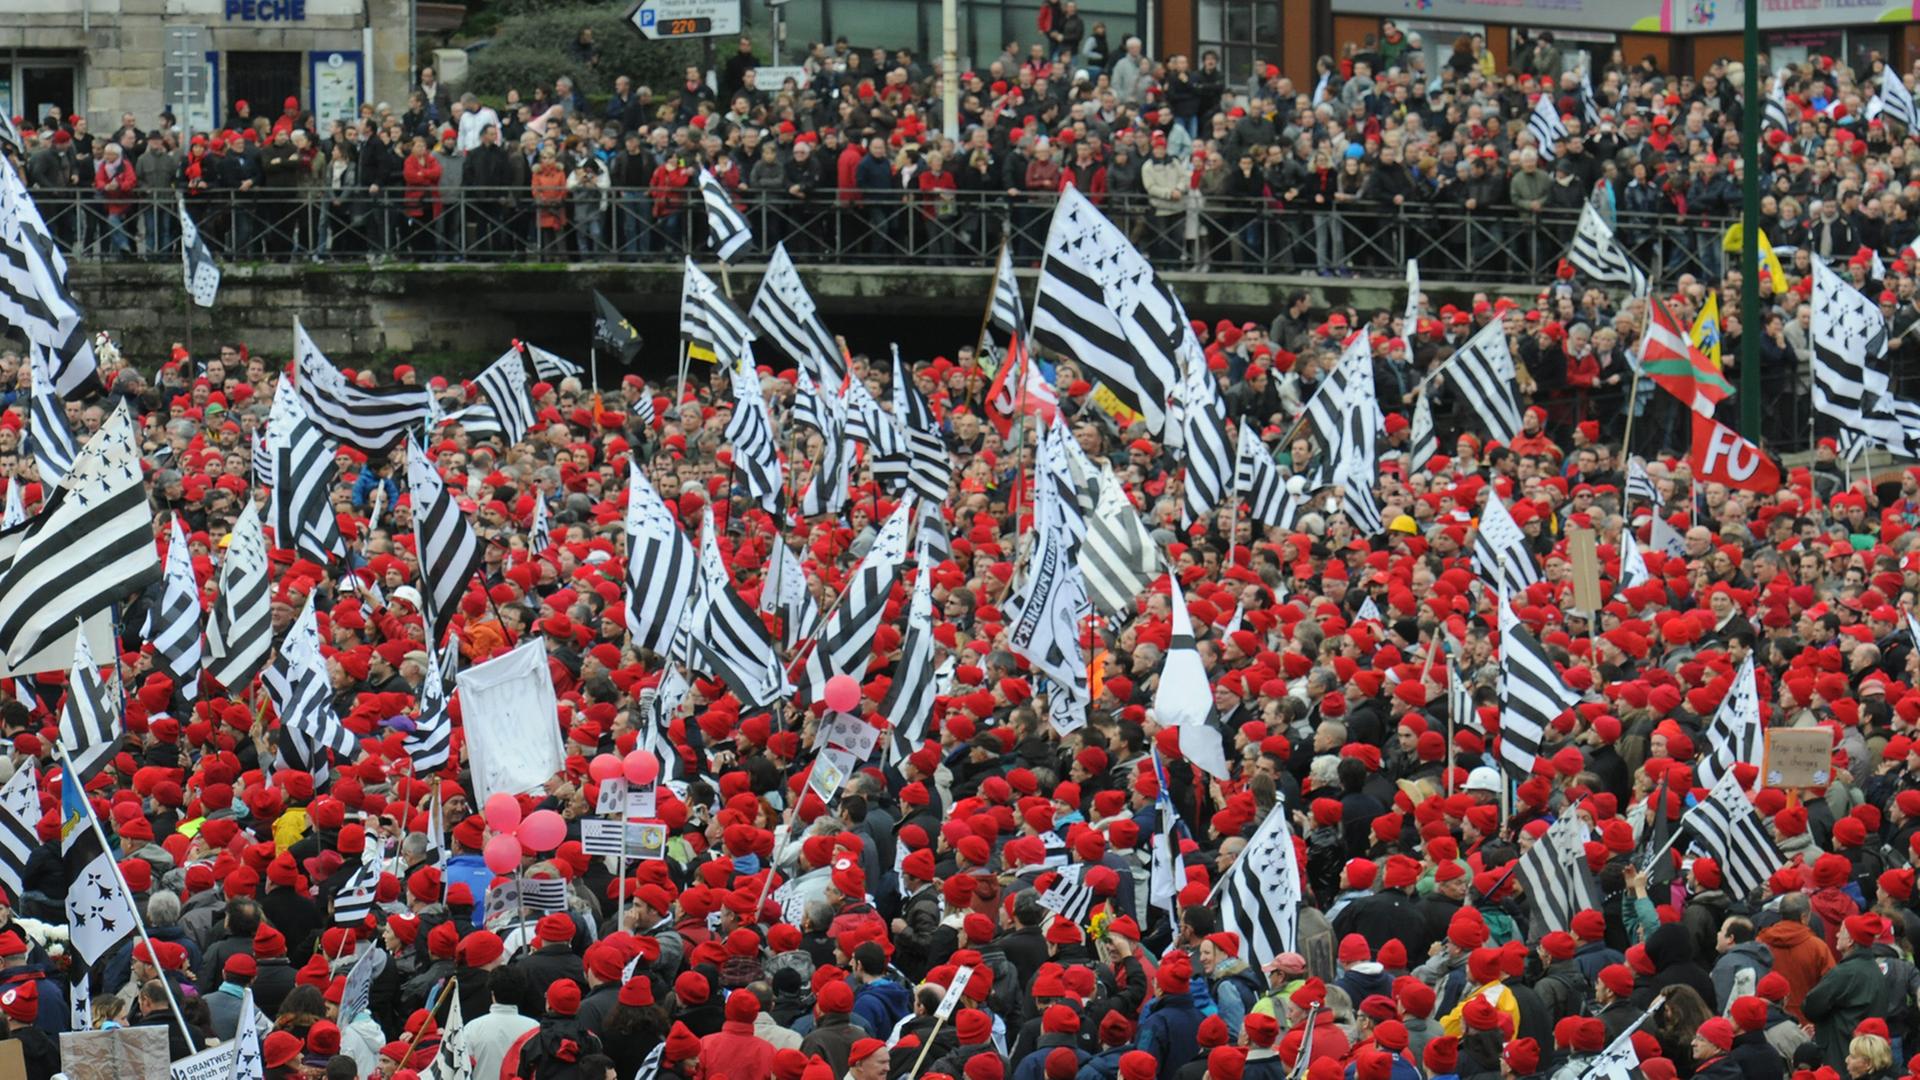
{"x": 880, "y": 1004}
{"x": 363, "y": 490}
{"x": 1102, "y": 1066}
{"x": 1170, "y": 1031}
{"x": 1034, "y": 1065}
{"x": 53, "y": 1017}
{"x": 471, "y": 869}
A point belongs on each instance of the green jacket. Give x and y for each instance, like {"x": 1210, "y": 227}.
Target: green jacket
{"x": 1846, "y": 995}
{"x": 1525, "y": 187}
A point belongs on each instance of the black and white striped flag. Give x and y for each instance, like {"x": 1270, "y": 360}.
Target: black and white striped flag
{"x": 33, "y": 289}
{"x": 18, "y": 840}
{"x": 479, "y": 420}
{"x": 173, "y": 627}
{"x": 1099, "y": 303}
{"x": 932, "y": 541}
{"x": 1260, "y": 893}
{"x": 1008, "y": 313}
{"x": 549, "y": 367}
{"x": 1545, "y": 126}
{"x": 727, "y": 227}
{"x": 1056, "y": 485}
{"x": 729, "y": 641}
{"x": 1732, "y": 831}
{"x": 1205, "y": 451}
{"x": 1850, "y": 386}
{"x": 708, "y": 319}
{"x": 368, "y": 420}
{"x": 1633, "y": 565}
{"x": 302, "y": 694}
{"x": 1734, "y": 735}
{"x": 784, "y": 311}
{"x": 909, "y": 700}
{"x": 1423, "y": 442}
{"x": 1774, "y": 117}
{"x": 750, "y": 433}
{"x": 929, "y": 467}
{"x": 1589, "y": 105}
{"x": 662, "y": 568}
{"x": 1045, "y": 613}
{"x": 505, "y": 384}
{"x": 1555, "y": 876}
{"x": 1639, "y": 484}
{"x": 1482, "y": 371}
{"x": 1896, "y": 101}
{"x": 1328, "y": 411}
{"x": 827, "y": 486}
{"x": 788, "y": 598}
{"x": 1257, "y": 480}
{"x": 1359, "y": 465}
{"x": 1118, "y": 558}
{"x": 540, "y": 531}
{"x": 354, "y": 902}
{"x": 870, "y": 425}
{"x": 430, "y": 744}
{"x": 200, "y": 273}
{"x": 301, "y": 473}
{"x": 1500, "y": 554}
{"x": 844, "y": 645}
{"x": 53, "y": 445}
{"x": 90, "y": 718}
{"x": 16, "y": 511}
{"x": 91, "y": 546}
{"x": 1068, "y": 896}
{"x": 449, "y": 551}
{"x": 240, "y": 627}
{"x": 1532, "y": 693}
{"x": 21, "y": 792}
{"x": 1598, "y": 255}
{"x": 1460, "y": 698}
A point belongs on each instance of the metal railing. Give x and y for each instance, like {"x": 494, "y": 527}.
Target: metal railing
{"x": 963, "y": 229}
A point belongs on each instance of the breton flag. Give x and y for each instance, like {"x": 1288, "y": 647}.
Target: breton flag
{"x": 1167, "y": 866}
{"x": 240, "y": 627}
{"x": 1482, "y": 371}
{"x": 1007, "y": 312}
{"x": 1099, "y": 303}
{"x": 1532, "y": 694}
{"x": 1184, "y": 699}
{"x": 430, "y": 744}
{"x": 612, "y": 331}
{"x": 1849, "y": 337}
{"x": 727, "y": 227}
{"x": 90, "y": 546}
{"x": 302, "y": 696}
{"x": 661, "y": 566}
{"x": 16, "y": 511}
{"x": 1205, "y": 451}
{"x": 368, "y": 420}
{"x": 1327, "y": 412}
{"x": 1069, "y": 897}
{"x": 354, "y": 902}
{"x": 100, "y": 911}
{"x": 715, "y": 330}
{"x": 505, "y": 384}
{"x": 1118, "y": 558}
{"x": 750, "y": 434}
{"x": 868, "y": 424}
{"x": 1545, "y": 126}
{"x": 1598, "y": 255}
{"x": 1633, "y": 565}
{"x": 173, "y": 627}
{"x": 1410, "y": 315}
{"x": 1639, "y": 483}
{"x": 548, "y": 366}
{"x": 1555, "y": 876}
{"x": 1460, "y": 699}
{"x": 929, "y": 467}
{"x": 1669, "y": 357}
{"x": 1046, "y": 610}
{"x": 202, "y": 274}
{"x": 729, "y": 640}
{"x": 21, "y": 794}
{"x": 450, "y": 554}
{"x": 90, "y": 717}
{"x": 1359, "y": 464}
{"x": 53, "y": 445}
{"x": 540, "y": 531}
{"x": 18, "y": 837}
{"x": 845, "y": 643}
{"x": 1260, "y": 894}
{"x": 1500, "y": 554}
{"x": 1056, "y": 484}
{"x": 1896, "y": 101}
{"x": 909, "y": 700}
{"x": 1732, "y": 831}
{"x": 784, "y": 311}
{"x": 33, "y": 289}
{"x": 1257, "y": 480}
{"x": 1773, "y": 116}
{"x": 300, "y": 473}
{"x": 1589, "y": 105}
{"x": 1734, "y": 734}
{"x": 788, "y": 598}
{"x": 826, "y": 490}
{"x": 1423, "y": 442}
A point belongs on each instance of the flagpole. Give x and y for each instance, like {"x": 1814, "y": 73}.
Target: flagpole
{"x": 593, "y": 362}
{"x": 681, "y": 394}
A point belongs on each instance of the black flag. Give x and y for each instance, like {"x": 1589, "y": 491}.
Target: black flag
{"x": 612, "y": 331}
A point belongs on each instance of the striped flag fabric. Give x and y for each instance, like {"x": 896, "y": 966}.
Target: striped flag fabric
{"x": 1099, "y": 303}
{"x": 1546, "y": 127}
{"x": 240, "y": 626}
{"x": 1350, "y": 381}
{"x": 1045, "y": 612}
{"x": 505, "y": 384}
{"x": 929, "y": 465}
{"x": 1896, "y": 101}
{"x": 197, "y": 266}
{"x": 932, "y": 539}
{"x": 1068, "y": 897}
{"x": 909, "y": 700}
{"x": 33, "y": 289}
{"x": 727, "y": 227}
{"x": 1598, "y": 255}
{"x": 868, "y": 424}
{"x": 430, "y": 744}
{"x": 90, "y": 546}
{"x": 1260, "y": 893}
{"x": 1500, "y": 554}
{"x": 53, "y": 445}
{"x": 1670, "y": 358}
{"x": 1849, "y": 338}
{"x": 1532, "y": 693}
{"x": 449, "y": 551}
{"x": 540, "y": 531}
{"x": 845, "y": 643}
{"x": 547, "y": 366}
{"x": 729, "y": 640}
{"x": 750, "y": 434}
{"x": 302, "y": 696}
{"x": 661, "y": 566}
{"x": 1589, "y": 105}
{"x": 1639, "y": 484}
{"x": 479, "y": 420}
{"x": 785, "y": 312}
{"x": 90, "y": 717}
{"x": 368, "y": 420}
{"x": 354, "y": 902}
{"x": 1460, "y": 698}
{"x": 1359, "y": 465}
{"x": 1732, "y": 831}
{"x": 1007, "y": 313}
{"x": 18, "y": 841}
{"x": 1184, "y": 699}
{"x": 1056, "y": 487}
{"x": 1555, "y": 876}
{"x": 1118, "y": 559}
{"x": 16, "y": 511}
{"x": 1734, "y": 735}
{"x": 827, "y": 488}
{"x": 1423, "y": 441}
{"x": 709, "y": 320}
{"x": 1773, "y": 116}
{"x": 1261, "y": 488}
{"x": 173, "y": 627}
{"x": 301, "y": 477}
{"x": 787, "y": 597}
{"x": 1410, "y": 315}
{"x": 1633, "y": 565}
{"x": 1482, "y": 372}
{"x": 1205, "y": 451}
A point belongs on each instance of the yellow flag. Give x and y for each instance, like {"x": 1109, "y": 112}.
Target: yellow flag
{"x": 1706, "y": 330}
{"x": 1111, "y": 404}
{"x": 1769, "y": 262}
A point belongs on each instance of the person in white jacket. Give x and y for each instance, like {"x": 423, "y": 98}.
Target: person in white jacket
{"x": 491, "y": 1039}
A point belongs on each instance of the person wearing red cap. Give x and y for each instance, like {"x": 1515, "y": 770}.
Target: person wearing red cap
{"x": 551, "y": 961}
{"x": 1851, "y": 991}
{"x": 915, "y": 927}
{"x": 735, "y": 1049}
{"x": 20, "y": 1002}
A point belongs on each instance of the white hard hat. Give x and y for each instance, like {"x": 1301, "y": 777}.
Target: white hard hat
{"x": 1484, "y": 778}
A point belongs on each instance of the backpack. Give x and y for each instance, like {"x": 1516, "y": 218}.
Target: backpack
{"x": 554, "y": 1054}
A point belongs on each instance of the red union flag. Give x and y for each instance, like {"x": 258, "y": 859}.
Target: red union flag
{"x": 1721, "y": 455}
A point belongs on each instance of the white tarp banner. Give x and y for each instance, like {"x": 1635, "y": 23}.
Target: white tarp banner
{"x": 513, "y": 733}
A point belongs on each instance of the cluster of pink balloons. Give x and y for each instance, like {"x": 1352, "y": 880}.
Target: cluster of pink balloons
{"x": 638, "y": 767}
{"x": 842, "y": 693}
{"x": 514, "y": 836}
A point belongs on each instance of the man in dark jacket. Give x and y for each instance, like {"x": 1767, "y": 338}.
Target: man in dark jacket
{"x": 1170, "y": 1025}
{"x": 919, "y": 917}
{"x": 1387, "y": 915}
{"x": 1849, "y": 992}
{"x": 833, "y": 1033}
{"x": 241, "y": 922}
{"x": 552, "y": 961}
{"x": 1751, "y": 1054}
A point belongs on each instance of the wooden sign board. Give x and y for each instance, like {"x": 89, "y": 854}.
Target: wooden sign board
{"x": 1583, "y": 548}
{"x": 1798, "y": 757}
{"x": 112, "y": 1055}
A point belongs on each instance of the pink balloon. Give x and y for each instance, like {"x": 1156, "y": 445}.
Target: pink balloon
{"x": 502, "y": 854}
{"x": 543, "y": 830}
{"x": 604, "y": 767}
{"x": 502, "y": 812}
{"x": 641, "y": 767}
{"x": 842, "y": 693}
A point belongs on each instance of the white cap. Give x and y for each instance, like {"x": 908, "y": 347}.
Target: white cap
{"x": 411, "y": 595}
{"x": 1484, "y": 778}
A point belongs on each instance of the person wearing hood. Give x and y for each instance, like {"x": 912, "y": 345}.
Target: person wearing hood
{"x": 1743, "y": 959}
{"x": 1799, "y": 955}
{"x": 1236, "y": 987}
{"x": 1362, "y": 976}
{"x": 1670, "y": 949}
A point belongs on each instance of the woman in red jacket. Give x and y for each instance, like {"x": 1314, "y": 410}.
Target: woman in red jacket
{"x": 422, "y": 199}
{"x": 113, "y": 178}
{"x": 937, "y": 185}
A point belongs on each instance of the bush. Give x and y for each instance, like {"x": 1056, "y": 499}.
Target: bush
{"x": 530, "y": 50}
